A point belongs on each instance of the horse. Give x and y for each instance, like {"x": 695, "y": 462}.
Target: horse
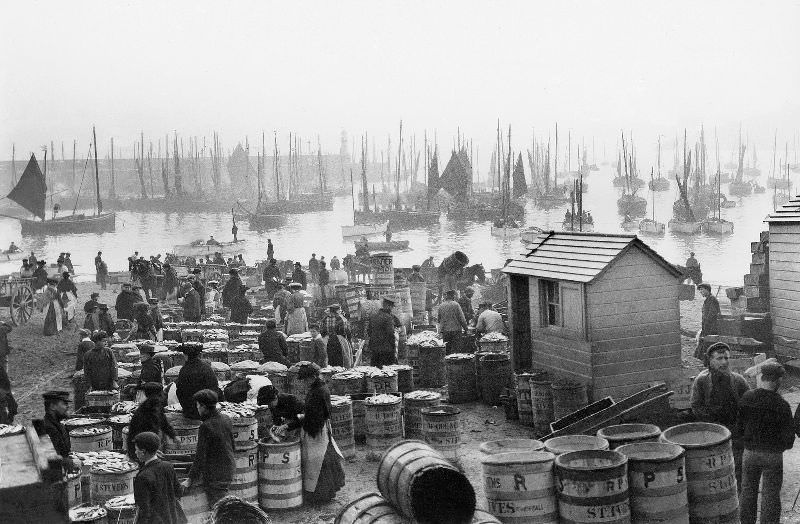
{"x": 355, "y": 268}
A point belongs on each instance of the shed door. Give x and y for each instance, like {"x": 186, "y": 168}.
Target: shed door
{"x": 520, "y": 322}
{"x": 572, "y": 309}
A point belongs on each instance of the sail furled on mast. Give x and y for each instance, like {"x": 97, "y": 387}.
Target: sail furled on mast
{"x": 520, "y": 184}
{"x": 31, "y": 190}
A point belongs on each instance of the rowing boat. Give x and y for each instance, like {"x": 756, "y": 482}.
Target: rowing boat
{"x": 394, "y": 245}
{"x": 193, "y": 250}
{"x": 364, "y": 230}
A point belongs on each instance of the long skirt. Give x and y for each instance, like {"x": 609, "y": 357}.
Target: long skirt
{"x": 296, "y": 321}
{"x": 340, "y": 352}
{"x": 323, "y": 474}
{"x": 53, "y": 321}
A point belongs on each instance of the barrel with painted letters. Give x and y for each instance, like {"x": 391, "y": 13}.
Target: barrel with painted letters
{"x": 622, "y": 434}
{"x": 709, "y": 471}
{"x": 280, "y": 477}
{"x": 441, "y": 427}
{"x": 245, "y": 473}
{"x": 657, "y": 482}
{"x": 592, "y": 487}
{"x": 369, "y": 509}
{"x": 245, "y": 432}
{"x": 342, "y": 425}
{"x": 519, "y": 487}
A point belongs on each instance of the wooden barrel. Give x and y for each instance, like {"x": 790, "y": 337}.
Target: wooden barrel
{"x": 441, "y": 428}
{"x": 461, "y": 385}
{"x": 419, "y": 295}
{"x": 91, "y": 439}
{"x": 412, "y": 358}
{"x": 264, "y": 419}
{"x": 657, "y": 482}
{"x": 106, "y": 484}
{"x": 245, "y": 432}
{"x": 245, "y": 474}
{"x": 622, "y": 434}
{"x": 432, "y": 372}
{"x": 79, "y": 388}
{"x": 118, "y": 423}
{"x": 592, "y": 486}
{"x": 382, "y": 381}
{"x": 568, "y": 443}
{"x": 125, "y": 432}
{"x": 524, "y": 407}
{"x": 413, "y": 403}
{"x": 102, "y": 400}
{"x": 383, "y": 420}
{"x": 353, "y": 296}
{"x": 568, "y": 397}
{"x": 519, "y": 486}
{"x": 120, "y": 512}
{"x": 369, "y": 509}
{"x": 280, "y": 479}
{"x": 382, "y": 269}
{"x": 403, "y": 308}
{"x": 195, "y": 505}
{"x": 541, "y": 403}
{"x": 511, "y": 445}
{"x": 709, "y": 470}
{"x": 423, "y": 485}
{"x": 185, "y": 441}
{"x": 484, "y": 517}
{"x": 72, "y": 490}
{"x": 342, "y": 425}
{"x": 495, "y": 377}
{"x": 347, "y": 383}
{"x": 405, "y": 377}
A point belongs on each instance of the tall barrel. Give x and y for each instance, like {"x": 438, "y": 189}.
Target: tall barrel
{"x": 280, "y": 478}
{"x": 413, "y": 403}
{"x": 657, "y": 482}
{"x": 359, "y": 414}
{"x": 568, "y": 443}
{"x": 461, "y": 385}
{"x": 592, "y": 487}
{"x": 423, "y": 485}
{"x": 709, "y": 471}
{"x": 245, "y": 432}
{"x": 495, "y": 376}
{"x": 245, "y": 474}
{"x": 403, "y": 308}
{"x": 431, "y": 367}
{"x": 568, "y": 397}
{"x": 91, "y": 439}
{"x": 185, "y": 442}
{"x": 120, "y": 511}
{"x": 382, "y": 381}
{"x": 347, "y": 383}
{"x": 405, "y": 377}
{"x": 382, "y": 269}
{"x": 511, "y": 445}
{"x": 195, "y": 505}
{"x": 412, "y": 358}
{"x": 419, "y": 296}
{"x": 622, "y": 434}
{"x": 353, "y": 296}
{"x": 383, "y": 420}
{"x": 107, "y": 483}
{"x": 541, "y": 403}
{"x": 441, "y": 428}
{"x": 369, "y": 509}
{"x": 519, "y": 486}
{"x": 342, "y": 425}
{"x": 524, "y": 407}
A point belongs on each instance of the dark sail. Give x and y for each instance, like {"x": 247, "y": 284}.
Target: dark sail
{"x": 520, "y": 184}
{"x": 456, "y": 178}
{"x": 31, "y": 190}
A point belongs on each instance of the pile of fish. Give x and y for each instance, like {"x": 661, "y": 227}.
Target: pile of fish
{"x": 87, "y": 513}
{"x": 125, "y": 406}
{"x": 233, "y": 410}
{"x": 460, "y": 356}
{"x": 215, "y": 334}
{"x": 103, "y": 460}
{"x": 348, "y": 375}
{"x": 120, "y": 503}
{"x": 73, "y": 423}
{"x": 243, "y": 348}
{"x": 86, "y": 432}
{"x": 425, "y": 339}
{"x": 173, "y": 372}
{"x": 245, "y": 365}
{"x": 299, "y": 337}
{"x": 220, "y": 366}
{"x": 382, "y": 373}
{"x": 366, "y": 370}
{"x": 494, "y": 337}
{"x": 398, "y": 367}
{"x": 382, "y": 399}
{"x": 102, "y": 392}
{"x": 251, "y": 334}
{"x": 121, "y": 419}
{"x": 215, "y": 345}
{"x": 272, "y": 367}
{"x": 208, "y": 324}
{"x": 423, "y": 395}
{"x": 340, "y": 400}
{"x": 12, "y": 429}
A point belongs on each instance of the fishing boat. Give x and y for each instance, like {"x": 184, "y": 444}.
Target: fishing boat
{"x": 392, "y": 245}
{"x": 649, "y": 226}
{"x": 507, "y": 227}
{"x": 505, "y": 231}
{"x": 659, "y": 183}
{"x": 684, "y": 227}
{"x": 629, "y": 224}
{"x": 716, "y": 225}
{"x": 629, "y": 203}
{"x": 31, "y": 194}
{"x": 739, "y": 187}
{"x": 577, "y": 219}
{"x": 687, "y": 214}
{"x": 200, "y": 248}
{"x": 364, "y": 230}
{"x": 267, "y": 215}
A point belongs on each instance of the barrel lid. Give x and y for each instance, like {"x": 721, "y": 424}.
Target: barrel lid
{"x": 569, "y": 443}
{"x": 441, "y": 410}
{"x": 651, "y": 451}
{"x": 511, "y": 445}
{"x": 696, "y": 435}
{"x": 628, "y": 431}
{"x": 518, "y": 457}
{"x": 591, "y": 460}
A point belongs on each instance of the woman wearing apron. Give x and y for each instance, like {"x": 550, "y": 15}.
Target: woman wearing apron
{"x": 323, "y": 474}
{"x": 296, "y": 320}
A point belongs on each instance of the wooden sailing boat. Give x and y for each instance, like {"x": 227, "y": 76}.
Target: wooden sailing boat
{"x": 649, "y": 226}
{"x": 265, "y": 215}
{"x": 685, "y": 220}
{"x": 581, "y": 220}
{"x": 630, "y": 204}
{"x": 739, "y": 187}
{"x": 716, "y": 225}
{"x": 31, "y": 193}
{"x": 659, "y": 183}
{"x": 506, "y": 228}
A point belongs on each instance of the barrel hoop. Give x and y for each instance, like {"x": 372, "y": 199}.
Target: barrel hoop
{"x": 612, "y": 498}
{"x": 280, "y": 496}
{"x": 280, "y": 482}
{"x": 520, "y": 495}
{"x": 711, "y": 475}
{"x": 598, "y": 475}
{"x": 659, "y": 491}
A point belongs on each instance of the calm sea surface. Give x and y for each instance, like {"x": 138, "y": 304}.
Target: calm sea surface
{"x": 724, "y": 260}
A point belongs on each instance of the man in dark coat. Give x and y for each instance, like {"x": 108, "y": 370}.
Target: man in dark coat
{"x": 272, "y": 344}
{"x": 39, "y": 276}
{"x": 100, "y": 365}
{"x": 5, "y": 347}
{"x": 8, "y": 405}
{"x": 214, "y": 460}
{"x": 91, "y": 303}
{"x": 465, "y": 301}
{"x": 380, "y": 335}
{"x": 191, "y": 304}
{"x": 313, "y": 267}
{"x": 231, "y": 288}
{"x": 324, "y": 278}
{"x": 240, "y": 307}
{"x": 270, "y": 249}
{"x": 149, "y": 416}
{"x": 106, "y": 320}
{"x": 84, "y": 346}
{"x": 55, "y": 408}
{"x": 156, "y": 489}
{"x": 710, "y": 317}
{"x": 197, "y": 284}
{"x": 272, "y": 275}
{"x": 194, "y": 376}
{"x": 125, "y": 301}
{"x": 298, "y": 275}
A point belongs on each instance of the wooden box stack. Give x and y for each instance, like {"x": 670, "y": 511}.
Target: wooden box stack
{"x": 756, "y": 283}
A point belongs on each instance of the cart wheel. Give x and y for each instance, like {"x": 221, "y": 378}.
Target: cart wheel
{"x": 22, "y": 305}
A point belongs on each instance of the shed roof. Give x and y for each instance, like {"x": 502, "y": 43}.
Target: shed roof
{"x": 787, "y": 213}
{"x": 578, "y": 257}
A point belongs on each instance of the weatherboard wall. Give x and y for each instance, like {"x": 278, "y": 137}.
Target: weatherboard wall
{"x": 784, "y": 283}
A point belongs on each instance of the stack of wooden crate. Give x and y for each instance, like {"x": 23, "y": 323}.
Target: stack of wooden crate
{"x": 756, "y": 283}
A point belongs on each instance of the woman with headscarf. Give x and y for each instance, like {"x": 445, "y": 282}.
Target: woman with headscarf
{"x": 323, "y": 474}
{"x": 54, "y": 316}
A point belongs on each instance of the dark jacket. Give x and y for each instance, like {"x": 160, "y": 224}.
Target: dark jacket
{"x": 324, "y": 277}
{"x": 100, "y": 367}
{"x": 156, "y": 490}
{"x": 125, "y": 302}
{"x": 59, "y": 436}
{"x": 195, "y": 375}
{"x": 317, "y": 409}
{"x": 84, "y": 347}
{"x": 201, "y": 292}
{"x": 5, "y": 347}
{"x": 230, "y": 290}
{"x": 191, "y": 306}
{"x": 214, "y": 461}
{"x": 152, "y": 371}
{"x": 149, "y": 416}
{"x": 466, "y": 307}
{"x": 710, "y": 316}
{"x": 765, "y": 421}
{"x": 298, "y": 275}
{"x": 380, "y": 331}
{"x": 89, "y": 305}
{"x": 240, "y": 309}
{"x": 170, "y": 279}
{"x": 710, "y": 403}
{"x": 8, "y": 405}
{"x": 287, "y": 409}
{"x": 273, "y": 347}
{"x": 39, "y": 278}
{"x": 270, "y": 272}
{"x": 67, "y": 286}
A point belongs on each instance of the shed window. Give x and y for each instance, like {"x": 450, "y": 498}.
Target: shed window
{"x": 552, "y": 303}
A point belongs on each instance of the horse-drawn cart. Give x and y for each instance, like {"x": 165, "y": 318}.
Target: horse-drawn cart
{"x": 17, "y": 295}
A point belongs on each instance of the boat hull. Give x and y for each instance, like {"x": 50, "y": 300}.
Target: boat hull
{"x": 102, "y": 223}
{"x": 684, "y": 228}
{"x": 395, "y": 245}
{"x": 740, "y": 188}
{"x": 659, "y": 184}
{"x": 398, "y": 220}
{"x": 585, "y": 227}
{"x": 188, "y": 250}
{"x": 718, "y": 227}
{"x": 364, "y": 230}
{"x": 264, "y": 221}
{"x": 651, "y": 227}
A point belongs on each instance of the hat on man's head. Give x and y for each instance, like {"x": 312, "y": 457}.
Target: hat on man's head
{"x": 84, "y": 332}
{"x": 41, "y": 263}
{"x": 718, "y": 346}
{"x": 704, "y": 286}
{"x": 102, "y": 305}
{"x": 772, "y": 371}
{"x": 450, "y": 293}
{"x": 147, "y": 441}
{"x": 206, "y": 397}
{"x": 55, "y": 395}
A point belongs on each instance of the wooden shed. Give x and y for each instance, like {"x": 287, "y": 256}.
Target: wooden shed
{"x": 597, "y": 308}
{"x": 783, "y": 268}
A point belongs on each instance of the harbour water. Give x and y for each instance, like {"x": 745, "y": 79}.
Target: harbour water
{"x": 724, "y": 260}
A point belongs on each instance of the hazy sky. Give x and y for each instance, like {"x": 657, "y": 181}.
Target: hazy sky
{"x": 319, "y": 67}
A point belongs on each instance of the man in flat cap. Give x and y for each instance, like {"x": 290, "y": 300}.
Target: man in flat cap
{"x": 100, "y": 364}
{"x": 56, "y": 404}
{"x": 84, "y": 346}
{"x": 380, "y": 334}
{"x": 765, "y": 424}
{"x": 231, "y": 287}
{"x": 156, "y": 489}
{"x": 214, "y": 460}
{"x": 709, "y": 319}
{"x": 196, "y": 375}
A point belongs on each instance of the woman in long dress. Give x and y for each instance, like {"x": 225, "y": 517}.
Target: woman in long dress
{"x": 54, "y": 316}
{"x": 335, "y": 330}
{"x": 64, "y": 288}
{"x": 296, "y": 319}
{"x": 323, "y": 474}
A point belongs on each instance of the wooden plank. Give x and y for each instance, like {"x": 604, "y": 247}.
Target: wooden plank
{"x": 605, "y": 284}
{"x": 781, "y": 266}
{"x": 788, "y": 305}
{"x": 623, "y": 379}
{"x": 618, "y": 392}
{"x": 561, "y": 366}
{"x": 635, "y": 329}
{"x": 785, "y": 323}
{"x": 651, "y": 365}
{"x": 620, "y": 356}
{"x": 573, "y": 264}
{"x": 788, "y": 280}
{"x": 784, "y": 294}
{"x": 670, "y": 291}
{"x": 633, "y": 304}
{"x": 598, "y": 321}
{"x": 562, "y": 351}
{"x": 778, "y": 256}
{"x": 534, "y": 302}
